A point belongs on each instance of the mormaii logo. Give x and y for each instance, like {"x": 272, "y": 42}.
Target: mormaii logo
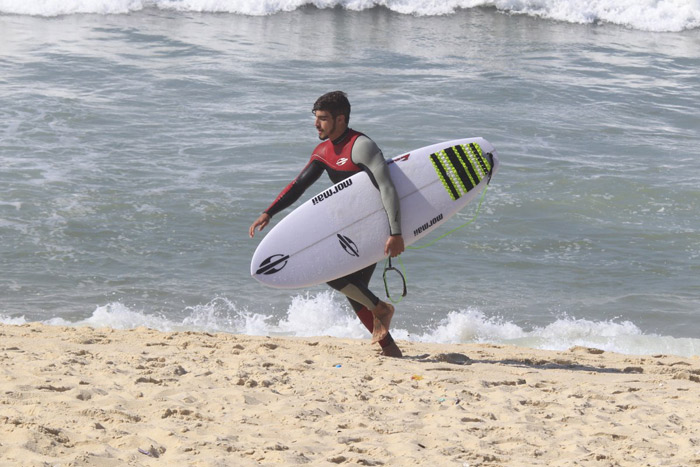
{"x": 273, "y": 264}
{"x": 342, "y": 161}
{"x": 427, "y": 225}
{"x": 331, "y": 191}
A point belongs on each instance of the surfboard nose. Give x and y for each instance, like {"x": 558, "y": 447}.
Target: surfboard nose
{"x": 272, "y": 264}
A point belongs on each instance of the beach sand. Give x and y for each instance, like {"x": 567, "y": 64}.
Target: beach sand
{"x": 82, "y": 396}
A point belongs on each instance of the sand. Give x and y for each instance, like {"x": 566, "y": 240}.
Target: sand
{"x": 82, "y": 396}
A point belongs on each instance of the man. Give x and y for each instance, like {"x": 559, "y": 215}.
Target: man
{"x": 345, "y": 152}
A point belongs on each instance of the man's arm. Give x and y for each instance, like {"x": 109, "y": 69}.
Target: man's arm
{"x": 289, "y": 195}
{"x": 366, "y": 154}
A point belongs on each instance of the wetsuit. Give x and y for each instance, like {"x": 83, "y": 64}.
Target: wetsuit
{"x": 351, "y": 153}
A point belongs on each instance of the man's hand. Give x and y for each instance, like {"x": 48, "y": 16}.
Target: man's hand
{"x": 260, "y": 223}
{"x": 394, "y": 246}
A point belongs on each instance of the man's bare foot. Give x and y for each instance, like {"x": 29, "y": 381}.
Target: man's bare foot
{"x": 383, "y": 313}
{"x": 392, "y": 350}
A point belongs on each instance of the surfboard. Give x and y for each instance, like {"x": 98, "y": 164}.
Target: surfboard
{"x": 344, "y": 228}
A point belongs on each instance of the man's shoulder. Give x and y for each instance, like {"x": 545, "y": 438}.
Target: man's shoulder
{"x": 358, "y": 135}
{"x": 365, "y": 147}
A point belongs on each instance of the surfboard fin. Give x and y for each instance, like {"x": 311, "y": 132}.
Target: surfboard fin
{"x": 489, "y": 156}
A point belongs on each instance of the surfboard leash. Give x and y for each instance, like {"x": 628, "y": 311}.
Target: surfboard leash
{"x": 401, "y": 274}
{"x": 433, "y": 242}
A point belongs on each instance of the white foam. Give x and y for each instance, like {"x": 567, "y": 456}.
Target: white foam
{"x": 327, "y": 314}
{"x": 471, "y": 326}
{"x": 13, "y": 321}
{"x": 67, "y": 7}
{"x": 648, "y": 15}
{"x": 320, "y": 315}
{"x": 118, "y": 316}
{"x": 563, "y": 333}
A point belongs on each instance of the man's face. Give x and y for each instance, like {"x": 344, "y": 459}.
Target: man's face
{"x": 327, "y": 126}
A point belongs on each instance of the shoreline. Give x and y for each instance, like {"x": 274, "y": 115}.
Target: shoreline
{"x": 100, "y": 396}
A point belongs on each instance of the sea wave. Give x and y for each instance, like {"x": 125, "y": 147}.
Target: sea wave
{"x": 325, "y": 314}
{"x": 647, "y": 15}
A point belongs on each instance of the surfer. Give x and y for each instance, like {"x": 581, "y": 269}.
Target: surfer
{"x": 343, "y": 153}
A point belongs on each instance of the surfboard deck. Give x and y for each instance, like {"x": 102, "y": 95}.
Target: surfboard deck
{"x": 344, "y": 228}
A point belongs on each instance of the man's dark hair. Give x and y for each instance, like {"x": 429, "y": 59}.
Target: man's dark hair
{"x": 335, "y": 102}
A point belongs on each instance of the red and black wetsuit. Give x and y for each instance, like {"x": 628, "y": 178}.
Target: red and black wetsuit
{"x": 351, "y": 153}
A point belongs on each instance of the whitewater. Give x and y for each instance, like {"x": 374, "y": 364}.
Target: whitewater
{"x": 647, "y": 15}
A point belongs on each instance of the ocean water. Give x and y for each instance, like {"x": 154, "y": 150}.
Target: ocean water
{"x": 140, "y": 139}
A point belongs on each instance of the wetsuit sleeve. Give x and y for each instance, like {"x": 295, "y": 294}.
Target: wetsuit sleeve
{"x": 296, "y": 188}
{"x": 366, "y": 154}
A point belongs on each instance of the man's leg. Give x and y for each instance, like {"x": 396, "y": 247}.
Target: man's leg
{"x": 367, "y": 307}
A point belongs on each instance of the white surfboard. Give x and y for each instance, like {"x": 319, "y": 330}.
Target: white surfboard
{"x": 344, "y": 228}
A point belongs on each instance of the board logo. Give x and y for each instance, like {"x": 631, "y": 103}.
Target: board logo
{"x": 348, "y": 245}
{"x": 399, "y": 158}
{"x": 273, "y": 264}
{"x": 427, "y": 225}
{"x": 331, "y": 191}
